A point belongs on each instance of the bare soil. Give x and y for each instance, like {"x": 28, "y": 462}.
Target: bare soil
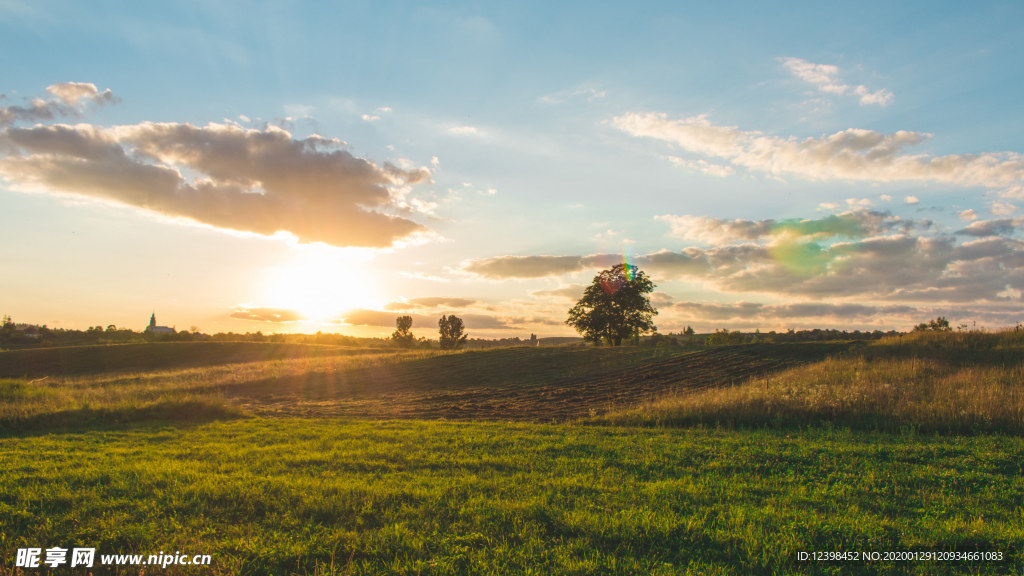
{"x": 516, "y": 384}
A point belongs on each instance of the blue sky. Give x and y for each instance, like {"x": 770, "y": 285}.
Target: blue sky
{"x": 853, "y": 166}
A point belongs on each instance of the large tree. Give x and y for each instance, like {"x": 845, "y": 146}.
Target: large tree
{"x": 452, "y": 332}
{"x": 402, "y": 337}
{"x": 615, "y": 306}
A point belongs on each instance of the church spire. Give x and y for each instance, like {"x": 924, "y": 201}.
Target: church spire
{"x": 152, "y": 320}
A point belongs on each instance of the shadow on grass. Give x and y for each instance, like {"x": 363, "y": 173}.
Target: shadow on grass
{"x": 74, "y": 360}
{"x": 112, "y": 418}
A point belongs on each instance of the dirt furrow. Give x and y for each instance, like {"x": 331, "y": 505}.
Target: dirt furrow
{"x": 451, "y": 388}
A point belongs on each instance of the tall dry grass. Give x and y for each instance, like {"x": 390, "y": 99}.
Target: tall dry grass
{"x": 941, "y": 382}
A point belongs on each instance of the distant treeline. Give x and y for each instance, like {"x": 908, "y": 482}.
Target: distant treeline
{"x": 516, "y": 341}
{"x": 15, "y": 336}
{"x": 725, "y": 337}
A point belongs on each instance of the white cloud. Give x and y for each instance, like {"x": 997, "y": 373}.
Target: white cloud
{"x": 859, "y": 202}
{"x": 826, "y": 78}
{"x": 821, "y": 75}
{"x": 714, "y": 230}
{"x": 967, "y": 215}
{"x": 501, "y": 267}
{"x": 852, "y": 155}
{"x": 431, "y": 302}
{"x": 756, "y": 312}
{"x": 1002, "y": 209}
{"x": 985, "y": 228}
{"x": 896, "y": 268}
{"x": 77, "y": 93}
{"x": 376, "y": 115}
{"x": 879, "y": 97}
{"x": 802, "y": 314}
{"x": 864, "y": 257}
{"x": 67, "y": 99}
{"x": 851, "y": 224}
{"x": 702, "y": 166}
{"x": 911, "y": 200}
{"x": 463, "y": 130}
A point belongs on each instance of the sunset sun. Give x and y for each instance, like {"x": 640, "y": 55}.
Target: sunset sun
{"x": 321, "y": 283}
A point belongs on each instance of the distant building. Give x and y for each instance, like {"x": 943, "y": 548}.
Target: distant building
{"x": 154, "y": 329}
{"x": 28, "y": 330}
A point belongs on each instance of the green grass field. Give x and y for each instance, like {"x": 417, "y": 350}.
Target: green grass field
{"x": 525, "y": 460}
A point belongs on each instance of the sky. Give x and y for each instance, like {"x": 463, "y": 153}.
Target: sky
{"x": 304, "y": 167}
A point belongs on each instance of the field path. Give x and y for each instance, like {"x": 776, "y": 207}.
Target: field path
{"x": 526, "y": 384}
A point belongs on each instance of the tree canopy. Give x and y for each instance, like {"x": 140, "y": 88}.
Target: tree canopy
{"x": 402, "y": 337}
{"x": 940, "y": 324}
{"x": 452, "y": 332}
{"x": 615, "y": 306}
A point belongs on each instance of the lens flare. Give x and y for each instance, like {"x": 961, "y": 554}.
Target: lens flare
{"x": 807, "y": 254}
{"x": 613, "y": 280}
{"x": 628, "y": 270}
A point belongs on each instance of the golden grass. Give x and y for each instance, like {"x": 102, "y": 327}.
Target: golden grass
{"x": 967, "y": 382}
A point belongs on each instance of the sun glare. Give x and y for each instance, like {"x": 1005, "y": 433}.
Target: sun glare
{"x": 320, "y": 283}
